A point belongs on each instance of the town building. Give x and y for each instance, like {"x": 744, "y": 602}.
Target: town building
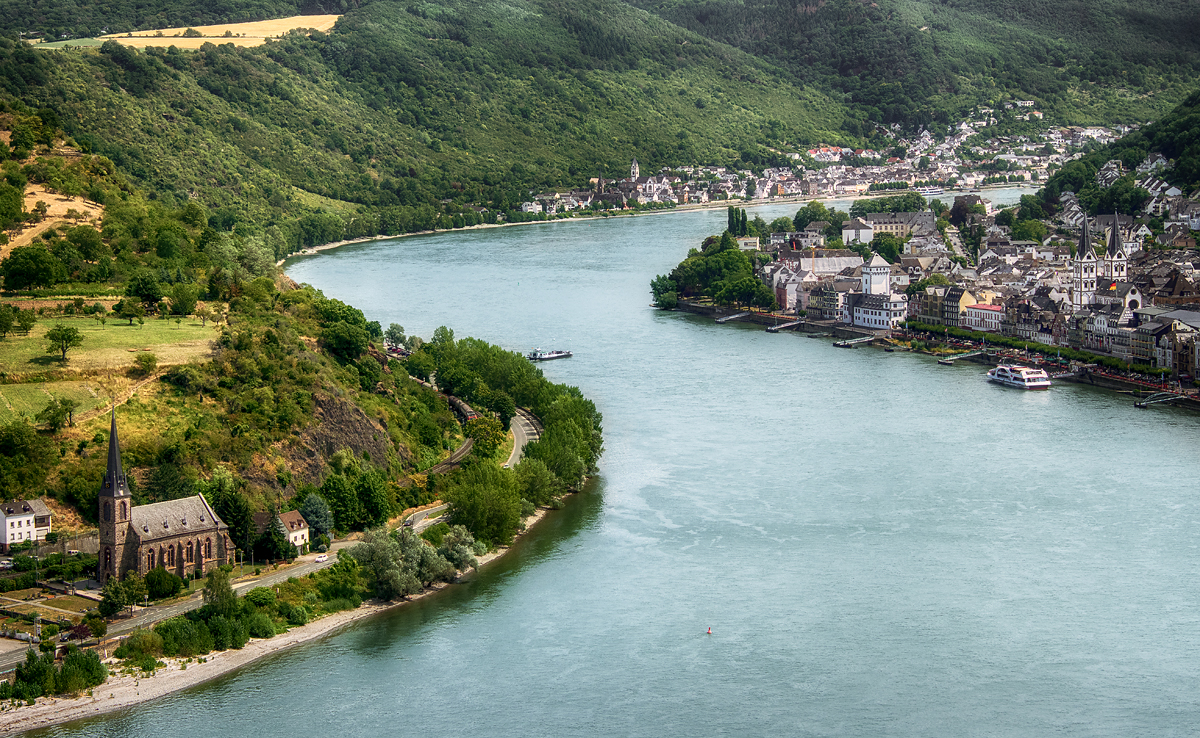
{"x": 22, "y": 521}
{"x": 184, "y": 536}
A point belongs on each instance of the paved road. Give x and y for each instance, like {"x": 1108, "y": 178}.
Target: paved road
{"x": 525, "y": 428}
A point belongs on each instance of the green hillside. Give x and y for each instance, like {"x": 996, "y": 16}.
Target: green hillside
{"x": 407, "y": 113}
{"x": 915, "y": 61}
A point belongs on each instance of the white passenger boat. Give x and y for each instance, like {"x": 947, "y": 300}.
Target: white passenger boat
{"x": 1024, "y": 377}
{"x": 539, "y": 355}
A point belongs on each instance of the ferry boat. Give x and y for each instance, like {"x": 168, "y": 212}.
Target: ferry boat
{"x": 1012, "y": 375}
{"x": 927, "y": 191}
{"x": 539, "y": 355}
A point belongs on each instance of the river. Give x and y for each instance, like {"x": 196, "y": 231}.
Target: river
{"x": 881, "y": 546}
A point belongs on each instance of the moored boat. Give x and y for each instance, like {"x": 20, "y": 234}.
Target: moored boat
{"x": 539, "y": 355}
{"x": 1022, "y": 377}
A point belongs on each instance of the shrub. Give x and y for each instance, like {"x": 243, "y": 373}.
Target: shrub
{"x": 259, "y": 625}
{"x": 261, "y": 597}
{"x": 161, "y": 583}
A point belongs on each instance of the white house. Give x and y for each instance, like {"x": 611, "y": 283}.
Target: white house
{"x": 296, "y": 528}
{"x": 856, "y": 231}
{"x": 876, "y": 305}
{"x": 23, "y": 521}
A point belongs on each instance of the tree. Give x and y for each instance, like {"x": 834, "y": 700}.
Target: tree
{"x": 460, "y": 548}
{"x": 317, "y": 514}
{"x": 161, "y": 583}
{"x": 144, "y": 364}
{"x": 183, "y": 298}
{"x": 782, "y": 224}
{"x": 131, "y": 310}
{"x": 394, "y": 334}
{"x": 97, "y": 626}
{"x": 344, "y": 341}
{"x": 135, "y": 588}
{"x": 810, "y": 213}
{"x": 537, "y": 483}
{"x": 887, "y": 246}
{"x": 219, "y": 596}
{"x": 146, "y": 288}
{"x": 487, "y": 433}
{"x": 61, "y": 338}
{"x": 112, "y": 598}
{"x": 7, "y": 319}
{"x": 31, "y": 266}
{"x": 383, "y": 556}
{"x": 57, "y": 413}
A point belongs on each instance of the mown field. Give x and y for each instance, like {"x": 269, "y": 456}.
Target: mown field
{"x": 111, "y": 346}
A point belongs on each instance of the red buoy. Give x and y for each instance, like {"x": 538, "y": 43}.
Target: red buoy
{"x": 710, "y": 631}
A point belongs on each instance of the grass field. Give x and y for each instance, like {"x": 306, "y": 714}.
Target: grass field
{"x": 25, "y": 400}
{"x": 72, "y": 603}
{"x": 111, "y": 346}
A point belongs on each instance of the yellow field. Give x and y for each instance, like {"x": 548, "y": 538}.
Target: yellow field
{"x": 242, "y": 34}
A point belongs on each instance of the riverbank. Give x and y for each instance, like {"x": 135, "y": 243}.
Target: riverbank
{"x": 799, "y": 200}
{"x": 123, "y": 691}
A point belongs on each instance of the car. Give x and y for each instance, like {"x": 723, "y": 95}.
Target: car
{"x": 322, "y": 558}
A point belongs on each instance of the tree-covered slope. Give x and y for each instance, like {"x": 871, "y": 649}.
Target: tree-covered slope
{"x": 424, "y": 107}
{"x": 913, "y": 61}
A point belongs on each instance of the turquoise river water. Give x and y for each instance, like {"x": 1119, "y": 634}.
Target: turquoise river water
{"x": 882, "y": 546}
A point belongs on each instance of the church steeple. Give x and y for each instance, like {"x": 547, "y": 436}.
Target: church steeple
{"x": 1085, "y": 241}
{"x": 115, "y": 484}
{"x": 1115, "y": 246}
{"x": 634, "y": 169}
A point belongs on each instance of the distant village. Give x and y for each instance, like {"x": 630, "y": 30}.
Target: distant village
{"x": 962, "y": 157}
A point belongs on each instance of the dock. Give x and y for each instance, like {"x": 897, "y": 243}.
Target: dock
{"x": 728, "y": 318}
{"x": 1158, "y": 397}
{"x": 777, "y": 328}
{"x": 852, "y": 342}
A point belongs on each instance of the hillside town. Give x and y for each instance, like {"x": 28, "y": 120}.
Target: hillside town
{"x": 959, "y": 157}
{"x": 1108, "y": 283}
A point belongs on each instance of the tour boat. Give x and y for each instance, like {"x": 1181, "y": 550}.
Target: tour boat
{"x": 1012, "y": 375}
{"x": 539, "y": 355}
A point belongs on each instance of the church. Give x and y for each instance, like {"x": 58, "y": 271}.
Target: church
{"x": 184, "y": 536}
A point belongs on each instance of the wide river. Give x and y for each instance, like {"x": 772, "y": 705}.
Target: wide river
{"x": 881, "y": 546}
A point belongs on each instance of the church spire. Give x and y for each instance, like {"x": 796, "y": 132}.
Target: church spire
{"x": 114, "y": 479}
{"x": 1085, "y": 240}
{"x": 1114, "y": 237}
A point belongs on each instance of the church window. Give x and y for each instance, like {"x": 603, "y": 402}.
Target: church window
{"x": 123, "y": 511}
{"x": 150, "y": 559}
{"x": 107, "y": 559}
{"x": 170, "y": 556}
{"x": 208, "y": 548}
{"x": 107, "y": 512}
{"x": 190, "y": 556}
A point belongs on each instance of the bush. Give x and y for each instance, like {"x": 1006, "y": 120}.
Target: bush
{"x": 259, "y": 625}
{"x": 161, "y": 583}
{"x": 261, "y": 597}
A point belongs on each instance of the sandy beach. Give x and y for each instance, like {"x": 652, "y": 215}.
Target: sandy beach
{"x": 122, "y": 691}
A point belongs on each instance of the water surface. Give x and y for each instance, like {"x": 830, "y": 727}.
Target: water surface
{"x": 882, "y": 546}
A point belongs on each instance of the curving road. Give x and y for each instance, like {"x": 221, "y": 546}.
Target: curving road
{"x": 526, "y": 428}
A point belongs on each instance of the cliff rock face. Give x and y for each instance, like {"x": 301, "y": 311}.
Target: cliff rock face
{"x": 338, "y": 424}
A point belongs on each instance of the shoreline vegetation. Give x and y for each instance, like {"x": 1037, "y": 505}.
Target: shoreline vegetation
{"x": 689, "y": 207}
{"x": 122, "y": 691}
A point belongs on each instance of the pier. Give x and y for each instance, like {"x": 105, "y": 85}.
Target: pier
{"x": 728, "y": 318}
{"x": 852, "y": 342}
{"x": 777, "y": 328}
{"x": 1158, "y": 397}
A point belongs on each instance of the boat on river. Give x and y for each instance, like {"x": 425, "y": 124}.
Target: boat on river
{"x": 1022, "y": 377}
{"x": 539, "y": 355}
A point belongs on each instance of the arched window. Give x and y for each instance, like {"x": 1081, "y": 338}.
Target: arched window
{"x": 107, "y": 559}
{"x": 150, "y": 559}
{"x": 124, "y": 514}
{"x": 170, "y": 556}
{"x": 190, "y": 556}
{"x": 107, "y": 512}
{"x": 208, "y": 548}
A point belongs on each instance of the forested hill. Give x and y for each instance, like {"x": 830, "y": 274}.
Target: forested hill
{"x": 913, "y": 61}
{"x": 1176, "y": 136}
{"x": 407, "y": 113}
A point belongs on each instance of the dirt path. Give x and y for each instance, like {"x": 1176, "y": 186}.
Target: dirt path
{"x": 56, "y": 215}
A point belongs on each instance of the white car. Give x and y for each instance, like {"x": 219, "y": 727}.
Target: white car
{"x": 322, "y": 558}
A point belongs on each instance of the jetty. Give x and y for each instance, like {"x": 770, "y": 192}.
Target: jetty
{"x": 728, "y": 318}
{"x": 1158, "y": 397}
{"x": 777, "y": 328}
{"x": 852, "y": 342}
